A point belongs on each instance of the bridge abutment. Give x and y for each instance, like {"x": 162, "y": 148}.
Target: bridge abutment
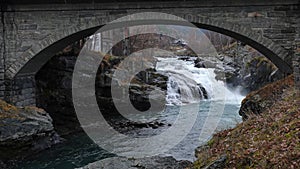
{"x": 2, "y": 54}
{"x": 21, "y": 91}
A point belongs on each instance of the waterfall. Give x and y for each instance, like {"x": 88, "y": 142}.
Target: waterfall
{"x": 188, "y": 84}
{"x": 181, "y": 90}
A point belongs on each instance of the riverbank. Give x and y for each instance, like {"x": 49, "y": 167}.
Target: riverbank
{"x": 268, "y": 138}
{"x": 23, "y": 132}
{"x": 54, "y": 88}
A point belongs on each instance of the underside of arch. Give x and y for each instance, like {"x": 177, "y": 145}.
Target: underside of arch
{"x": 36, "y": 61}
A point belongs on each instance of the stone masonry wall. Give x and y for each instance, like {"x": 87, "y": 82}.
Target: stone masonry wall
{"x": 2, "y": 53}
{"x": 21, "y": 91}
{"x": 29, "y": 29}
{"x": 29, "y": 26}
{"x": 296, "y": 63}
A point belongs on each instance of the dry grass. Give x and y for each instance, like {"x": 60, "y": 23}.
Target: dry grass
{"x": 270, "y": 140}
{"x": 8, "y": 110}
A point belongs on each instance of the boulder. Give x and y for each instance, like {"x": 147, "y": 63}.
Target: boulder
{"x": 258, "y": 101}
{"x": 207, "y": 63}
{"x": 24, "y": 131}
{"x": 145, "y": 163}
{"x": 199, "y": 59}
{"x": 241, "y": 66}
{"x": 220, "y": 163}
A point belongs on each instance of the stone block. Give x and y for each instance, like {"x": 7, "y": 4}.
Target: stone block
{"x": 292, "y": 13}
{"x": 276, "y": 14}
{"x": 27, "y": 27}
{"x": 288, "y": 30}
{"x": 271, "y": 31}
{"x": 282, "y": 8}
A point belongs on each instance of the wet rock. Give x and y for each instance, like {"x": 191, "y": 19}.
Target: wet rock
{"x": 186, "y": 58}
{"x": 217, "y": 164}
{"x": 253, "y": 70}
{"x": 144, "y": 163}
{"x": 209, "y": 64}
{"x": 24, "y": 131}
{"x": 258, "y": 101}
{"x": 199, "y": 65}
{"x": 199, "y": 59}
{"x": 124, "y": 126}
{"x": 54, "y": 93}
{"x": 252, "y": 106}
{"x": 241, "y": 66}
{"x": 54, "y": 89}
{"x": 201, "y": 149}
{"x": 203, "y": 92}
{"x": 3, "y": 165}
{"x": 205, "y": 63}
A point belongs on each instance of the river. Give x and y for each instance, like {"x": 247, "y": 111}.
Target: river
{"x": 184, "y": 79}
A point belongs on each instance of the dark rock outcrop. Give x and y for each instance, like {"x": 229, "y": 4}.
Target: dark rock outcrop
{"x": 54, "y": 89}
{"x": 258, "y": 101}
{"x": 24, "y": 131}
{"x": 144, "y": 163}
{"x": 54, "y": 93}
{"x": 217, "y": 164}
{"x": 241, "y": 66}
{"x": 254, "y": 73}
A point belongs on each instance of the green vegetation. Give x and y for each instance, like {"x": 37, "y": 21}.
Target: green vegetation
{"x": 268, "y": 140}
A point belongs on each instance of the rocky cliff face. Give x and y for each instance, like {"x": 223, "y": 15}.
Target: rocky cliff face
{"x": 259, "y": 101}
{"x": 54, "y": 93}
{"x": 145, "y": 163}
{"x": 24, "y": 131}
{"x": 54, "y": 89}
{"x": 141, "y": 84}
{"x": 241, "y": 65}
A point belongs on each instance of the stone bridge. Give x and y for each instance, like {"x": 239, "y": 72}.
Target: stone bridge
{"x": 33, "y": 31}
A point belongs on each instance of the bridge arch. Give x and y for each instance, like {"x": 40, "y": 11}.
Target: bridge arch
{"x": 35, "y": 57}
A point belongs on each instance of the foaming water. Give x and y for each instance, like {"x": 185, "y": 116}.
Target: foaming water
{"x": 218, "y": 111}
{"x": 186, "y": 82}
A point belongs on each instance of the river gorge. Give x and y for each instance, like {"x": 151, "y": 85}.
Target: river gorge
{"x": 89, "y": 84}
{"x": 208, "y": 90}
{"x": 79, "y": 150}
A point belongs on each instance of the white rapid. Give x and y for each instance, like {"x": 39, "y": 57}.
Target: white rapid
{"x": 186, "y": 83}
